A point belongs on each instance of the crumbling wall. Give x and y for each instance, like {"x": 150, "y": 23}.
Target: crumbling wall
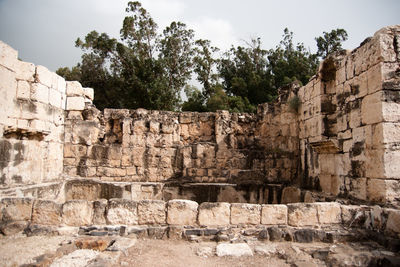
{"x": 337, "y": 136}
{"x": 181, "y": 148}
{"x": 349, "y": 122}
{"x": 32, "y": 105}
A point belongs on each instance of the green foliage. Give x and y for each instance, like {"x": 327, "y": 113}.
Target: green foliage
{"x": 289, "y": 62}
{"x": 330, "y": 42}
{"x": 148, "y": 69}
{"x": 195, "y": 101}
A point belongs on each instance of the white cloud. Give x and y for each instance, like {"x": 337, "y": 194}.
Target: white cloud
{"x": 219, "y": 31}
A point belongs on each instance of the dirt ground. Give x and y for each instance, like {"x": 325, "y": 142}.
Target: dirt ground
{"x": 20, "y": 250}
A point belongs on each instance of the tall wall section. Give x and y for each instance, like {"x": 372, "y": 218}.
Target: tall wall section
{"x": 32, "y": 105}
{"x": 349, "y": 122}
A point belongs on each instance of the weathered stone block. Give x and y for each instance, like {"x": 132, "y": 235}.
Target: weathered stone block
{"x": 55, "y": 98}
{"x": 243, "y": 213}
{"x": 40, "y": 93}
{"x": 46, "y": 212}
{"x": 371, "y": 108}
{"x": 99, "y": 211}
{"x": 8, "y": 56}
{"x": 329, "y": 213}
{"x": 214, "y": 213}
{"x": 16, "y": 209}
{"x": 88, "y": 93}
{"x": 291, "y": 194}
{"x": 25, "y": 71}
{"x": 274, "y": 214}
{"x": 74, "y": 88}
{"x": 122, "y": 211}
{"x": 77, "y": 212}
{"x": 300, "y": 214}
{"x": 23, "y": 90}
{"x": 46, "y": 77}
{"x": 393, "y": 221}
{"x": 182, "y": 212}
{"x": 75, "y": 103}
{"x": 152, "y": 212}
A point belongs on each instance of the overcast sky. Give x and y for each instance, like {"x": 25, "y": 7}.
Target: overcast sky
{"x": 44, "y": 31}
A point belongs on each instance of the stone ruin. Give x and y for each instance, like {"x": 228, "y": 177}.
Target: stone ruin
{"x": 321, "y": 163}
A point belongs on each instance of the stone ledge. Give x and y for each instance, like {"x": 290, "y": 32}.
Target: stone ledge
{"x": 199, "y": 218}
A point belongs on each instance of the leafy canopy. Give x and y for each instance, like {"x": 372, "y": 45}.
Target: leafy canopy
{"x": 146, "y": 68}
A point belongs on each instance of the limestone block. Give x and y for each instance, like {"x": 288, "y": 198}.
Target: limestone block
{"x": 77, "y": 212}
{"x": 8, "y": 56}
{"x": 16, "y": 209}
{"x": 329, "y": 183}
{"x": 99, "y": 211}
{"x": 55, "y": 98}
{"x": 291, "y": 194}
{"x": 185, "y": 117}
{"x": 301, "y": 214}
{"x": 61, "y": 85}
{"x": 371, "y": 108}
{"x": 374, "y": 163}
{"x": 392, "y": 164}
{"x": 40, "y": 93}
{"x": 25, "y": 71}
{"x": 393, "y": 221}
{"x": 46, "y": 77}
{"x": 152, "y": 212}
{"x": 74, "y": 88}
{"x": 75, "y": 103}
{"x": 233, "y": 250}
{"x": 243, "y": 213}
{"x": 122, "y": 211}
{"x": 88, "y": 93}
{"x": 274, "y": 214}
{"x": 23, "y": 90}
{"x": 376, "y": 190}
{"x": 329, "y": 213}
{"x": 46, "y": 212}
{"x": 391, "y": 111}
{"x": 358, "y": 188}
{"x": 182, "y": 212}
{"x": 214, "y": 213}
{"x": 8, "y": 88}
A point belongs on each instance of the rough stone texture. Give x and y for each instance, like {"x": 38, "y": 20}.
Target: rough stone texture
{"x": 235, "y": 250}
{"x": 214, "y": 214}
{"x": 302, "y": 214}
{"x": 122, "y": 211}
{"x": 46, "y": 212}
{"x": 329, "y": 213}
{"x": 245, "y": 213}
{"x": 152, "y": 212}
{"x": 274, "y": 214}
{"x": 393, "y": 222}
{"x": 182, "y": 212}
{"x": 77, "y": 212}
{"x": 16, "y": 209}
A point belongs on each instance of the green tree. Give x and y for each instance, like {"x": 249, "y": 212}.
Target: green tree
{"x": 145, "y": 69}
{"x": 195, "y": 100}
{"x": 330, "y": 42}
{"x": 289, "y": 62}
{"x": 244, "y": 73}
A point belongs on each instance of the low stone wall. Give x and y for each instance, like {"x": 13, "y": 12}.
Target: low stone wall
{"x": 185, "y": 218}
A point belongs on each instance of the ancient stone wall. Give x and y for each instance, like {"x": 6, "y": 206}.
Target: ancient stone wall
{"x": 32, "y": 105}
{"x": 349, "y": 122}
{"x": 336, "y": 137}
{"x": 300, "y": 222}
